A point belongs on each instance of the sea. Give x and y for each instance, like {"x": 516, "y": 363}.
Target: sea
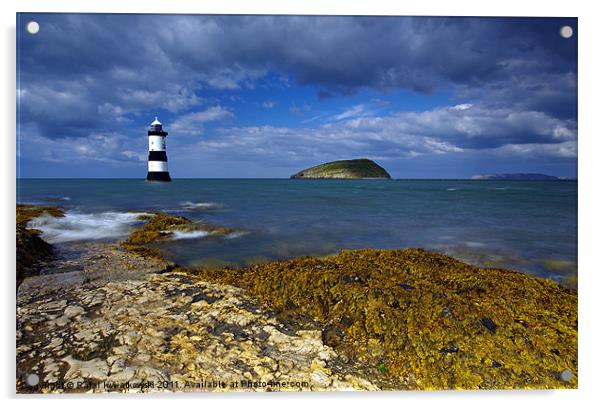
{"x": 528, "y": 226}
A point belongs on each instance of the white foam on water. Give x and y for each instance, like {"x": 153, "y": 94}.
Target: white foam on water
{"x": 474, "y": 244}
{"x": 57, "y": 198}
{"x": 235, "y": 235}
{"x": 75, "y": 226}
{"x": 200, "y": 206}
{"x": 196, "y": 234}
{"x": 193, "y": 234}
{"x": 453, "y": 189}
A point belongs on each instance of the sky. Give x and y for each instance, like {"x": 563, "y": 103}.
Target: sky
{"x": 267, "y": 96}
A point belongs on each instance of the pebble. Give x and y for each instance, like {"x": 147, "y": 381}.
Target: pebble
{"x": 73, "y": 311}
{"x": 489, "y": 324}
{"x": 55, "y": 343}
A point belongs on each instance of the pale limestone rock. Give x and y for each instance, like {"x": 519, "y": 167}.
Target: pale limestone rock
{"x": 59, "y": 322}
{"x": 156, "y": 335}
{"x": 320, "y": 379}
{"x": 55, "y": 343}
{"x": 53, "y": 305}
{"x": 73, "y": 310}
{"x": 124, "y": 375}
{"x": 91, "y": 369}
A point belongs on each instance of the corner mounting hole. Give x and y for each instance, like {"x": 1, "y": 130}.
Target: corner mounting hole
{"x": 32, "y": 27}
{"x": 566, "y": 31}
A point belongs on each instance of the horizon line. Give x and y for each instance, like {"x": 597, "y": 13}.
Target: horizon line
{"x": 288, "y": 178}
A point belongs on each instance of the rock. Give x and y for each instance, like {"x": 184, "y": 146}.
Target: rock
{"x": 85, "y": 335}
{"x": 73, "y": 311}
{"x": 53, "y": 305}
{"x": 91, "y": 369}
{"x": 121, "y": 350}
{"x": 262, "y": 372}
{"x": 60, "y": 322}
{"x": 489, "y": 324}
{"x": 117, "y": 364}
{"x": 285, "y": 366}
{"x": 320, "y": 378}
{"x": 124, "y": 375}
{"x": 275, "y": 336}
{"x": 55, "y": 343}
{"x": 332, "y": 335}
{"x": 450, "y": 348}
{"x": 146, "y": 328}
{"x": 52, "y": 370}
{"x": 327, "y": 354}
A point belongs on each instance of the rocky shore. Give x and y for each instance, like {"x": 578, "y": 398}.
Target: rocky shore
{"x": 122, "y": 322}
{"x": 120, "y": 318}
{"x": 31, "y": 248}
{"x": 425, "y": 320}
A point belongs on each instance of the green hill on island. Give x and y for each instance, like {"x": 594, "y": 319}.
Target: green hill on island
{"x": 344, "y": 169}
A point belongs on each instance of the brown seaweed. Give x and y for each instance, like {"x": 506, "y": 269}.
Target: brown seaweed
{"x": 425, "y": 320}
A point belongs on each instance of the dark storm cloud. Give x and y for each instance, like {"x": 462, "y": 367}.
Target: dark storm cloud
{"x": 88, "y": 74}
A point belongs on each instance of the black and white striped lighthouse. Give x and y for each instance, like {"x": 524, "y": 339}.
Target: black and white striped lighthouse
{"x": 157, "y": 156}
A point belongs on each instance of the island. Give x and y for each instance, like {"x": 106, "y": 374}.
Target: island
{"x": 344, "y": 169}
{"x": 516, "y": 177}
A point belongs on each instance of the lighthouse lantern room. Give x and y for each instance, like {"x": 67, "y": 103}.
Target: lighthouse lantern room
{"x": 157, "y": 156}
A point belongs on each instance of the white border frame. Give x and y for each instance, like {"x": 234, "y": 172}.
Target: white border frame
{"x": 590, "y": 202}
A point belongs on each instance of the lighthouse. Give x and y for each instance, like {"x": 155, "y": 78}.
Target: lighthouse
{"x": 157, "y": 156}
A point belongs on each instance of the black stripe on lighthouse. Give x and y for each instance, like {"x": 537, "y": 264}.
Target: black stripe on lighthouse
{"x": 157, "y": 156}
{"x": 158, "y": 176}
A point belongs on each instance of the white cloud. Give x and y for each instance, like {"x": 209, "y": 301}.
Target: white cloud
{"x": 443, "y": 130}
{"x": 108, "y": 148}
{"x": 354, "y": 111}
{"x": 566, "y": 149}
{"x": 192, "y": 123}
{"x": 401, "y": 135}
{"x": 462, "y": 106}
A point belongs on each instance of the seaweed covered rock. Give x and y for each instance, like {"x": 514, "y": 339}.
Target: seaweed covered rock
{"x": 423, "y": 320}
{"x": 31, "y": 248}
{"x": 158, "y": 226}
{"x": 161, "y": 226}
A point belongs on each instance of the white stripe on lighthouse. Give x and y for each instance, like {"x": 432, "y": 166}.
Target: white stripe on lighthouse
{"x": 157, "y": 166}
{"x": 156, "y": 143}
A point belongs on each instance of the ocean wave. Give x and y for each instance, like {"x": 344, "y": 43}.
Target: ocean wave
{"x": 193, "y": 234}
{"x": 474, "y": 244}
{"x": 197, "y": 234}
{"x": 237, "y": 234}
{"x": 53, "y": 198}
{"x": 453, "y": 189}
{"x": 200, "y": 206}
{"x": 75, "y": 226}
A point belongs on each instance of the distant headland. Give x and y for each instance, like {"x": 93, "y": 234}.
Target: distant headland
{"x": 344, "y": 169}
{"x": 517, "y": 177}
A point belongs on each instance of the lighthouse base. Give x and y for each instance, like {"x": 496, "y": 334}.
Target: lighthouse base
{"x": 162, "y": 176}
